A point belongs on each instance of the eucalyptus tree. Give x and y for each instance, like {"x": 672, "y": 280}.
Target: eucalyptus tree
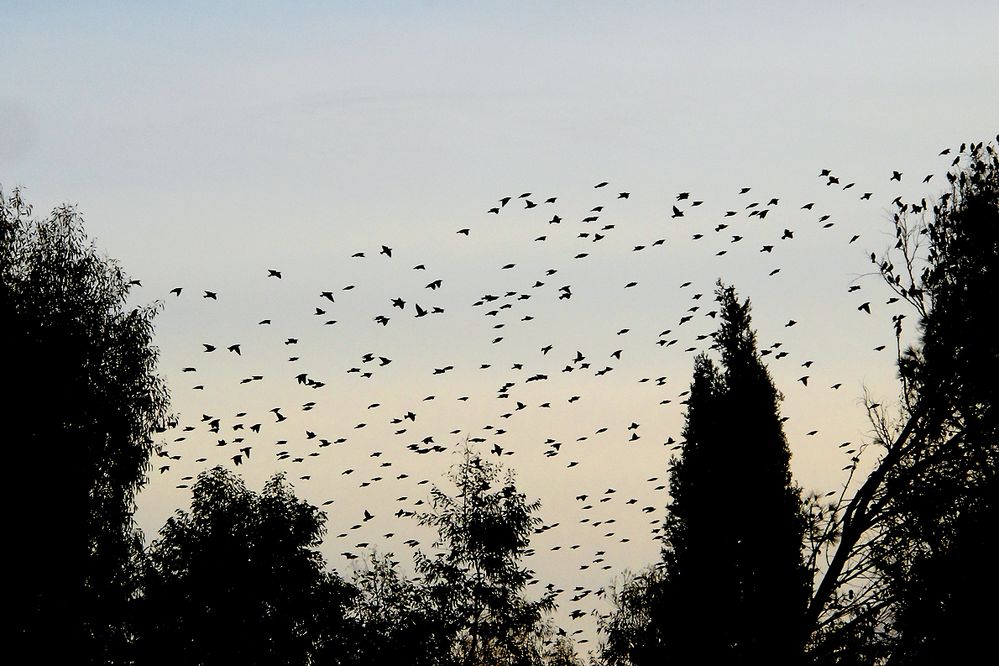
{"x": 80, "y": 418}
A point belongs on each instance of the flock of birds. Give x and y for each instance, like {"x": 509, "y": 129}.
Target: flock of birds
{"x": 365, "y": 423}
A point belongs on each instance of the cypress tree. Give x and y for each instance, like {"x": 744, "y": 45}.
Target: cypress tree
{"x": 735, "y": 587}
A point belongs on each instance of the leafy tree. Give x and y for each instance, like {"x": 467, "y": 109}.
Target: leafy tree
{"x": 239, "y": 579}
{"x": 939, "y": 617}
{"x": 80, "y": 415}
{"x": 734, "y": 586}
{"x": 629, "y": 636}
{"x": 559, "y": 649}
{"x": 476, "y": 583}
{"x": 395, "y": 623}
{"x": 940, "y": 541}
{"x": 907, "y": 553}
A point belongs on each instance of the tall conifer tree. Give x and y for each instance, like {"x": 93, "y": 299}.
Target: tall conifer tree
{"x": 735, "y": 587}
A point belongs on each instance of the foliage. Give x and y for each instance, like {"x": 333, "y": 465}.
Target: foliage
{"x": 239, "y": 579}
{"x": 939, "y": 596}
{"x": 395, "y": 624}
{"x": 907, "y": 545}
{"x": 734, "y": 583}
{"x": 84, "y": 406}
{"x": 939, "y": 540}
{"x": 476, "y": 583}
{"x": 629, "y": 637}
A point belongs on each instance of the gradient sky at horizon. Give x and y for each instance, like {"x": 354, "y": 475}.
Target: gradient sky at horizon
{"x": 208, "y": 142}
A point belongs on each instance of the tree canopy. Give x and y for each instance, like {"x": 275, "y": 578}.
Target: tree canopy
{"x": 936, "y": 547}
{"x": 85, "y": 404}
{"x": 239, "y": 579}
{"x": 395, "y": 624}
{"x": 476, "y": 582}
{"x": 910, "y": 520}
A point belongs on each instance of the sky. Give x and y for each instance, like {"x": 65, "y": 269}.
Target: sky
{"x": 206, "y": 143}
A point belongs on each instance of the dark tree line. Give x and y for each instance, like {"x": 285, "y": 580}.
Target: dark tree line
{"x": 892, "y": 570}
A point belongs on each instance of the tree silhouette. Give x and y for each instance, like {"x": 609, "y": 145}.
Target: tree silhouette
{"x": 629, "y": 634}
{"x": 395, "y": 623}
{"x": 80, "y": 415}
{"x": 907, "y": 548}
{"x": 735, "y": 586}
{"x": 476, "y": 583}
{"x": 939, "y": 545}
{"x": 239, "y": 580}
{"x": 939, "y": 595}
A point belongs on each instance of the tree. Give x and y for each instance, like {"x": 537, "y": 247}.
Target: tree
{"x": 239, "y": 579}
{"x": 940, "y": 544}
{"x": 629, "y": 635}
{"x": 906, "y": 548}
{"x": 476, "y": 583}
{"x": 395, "y": 623}
{"x": 734, "y": 586}
{"x": 84, "y": 404}
{"x": 938, "y": 617}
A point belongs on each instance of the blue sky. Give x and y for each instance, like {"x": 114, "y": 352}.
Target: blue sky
{"x": 205, "y": 143}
